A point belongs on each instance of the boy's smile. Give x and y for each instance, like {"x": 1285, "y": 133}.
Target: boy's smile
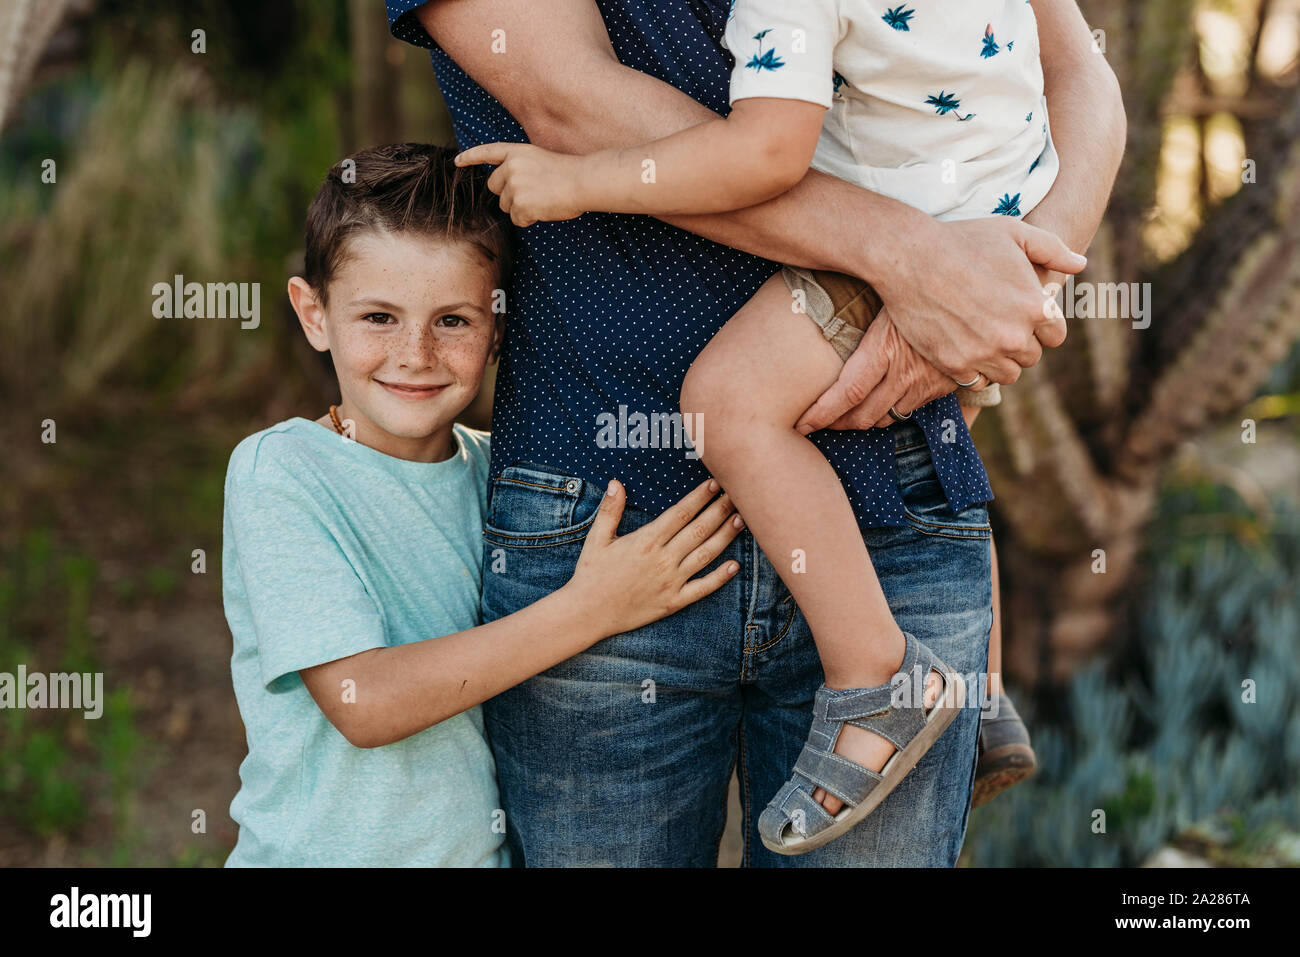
{"x": 410, "y": 327}
{"x": 411, "y": 391}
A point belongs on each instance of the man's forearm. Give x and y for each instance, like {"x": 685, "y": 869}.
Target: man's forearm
{"x": 1088, "y": 128}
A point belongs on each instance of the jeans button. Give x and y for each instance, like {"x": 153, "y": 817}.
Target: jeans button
{"x": 572, "y": 485}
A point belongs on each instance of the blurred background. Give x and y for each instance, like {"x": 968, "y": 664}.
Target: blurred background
{"x": 1148, "y": 480}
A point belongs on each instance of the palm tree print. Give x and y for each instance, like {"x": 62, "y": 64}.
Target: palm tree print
{"x": 764, "y": 60}
{"x": 945, "y": 103}
{"x": 839, "y": 81}
{"x": 990, "y": 45}
{"x": 1008, "y": 205}
{"x": 898, "y": 17}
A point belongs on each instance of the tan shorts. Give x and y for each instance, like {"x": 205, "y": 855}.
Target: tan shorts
{"x": 843, "y": 307}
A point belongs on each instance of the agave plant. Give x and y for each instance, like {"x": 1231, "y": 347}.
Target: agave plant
{"x": 1078, "y": 445}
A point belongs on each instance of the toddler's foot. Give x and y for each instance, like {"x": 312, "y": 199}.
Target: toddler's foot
{"x": 799, "y": 818}
{"x": 868, "y": 748}
{"x": 1005, "y": 754}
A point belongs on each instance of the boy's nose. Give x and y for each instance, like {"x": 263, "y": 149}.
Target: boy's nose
{"x": 419, "y": 350}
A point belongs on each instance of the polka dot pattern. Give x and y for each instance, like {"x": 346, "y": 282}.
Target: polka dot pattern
{"x": 609, "y": 311}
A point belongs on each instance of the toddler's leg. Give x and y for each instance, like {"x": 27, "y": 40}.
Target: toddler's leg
{"x": 750, "y": 385}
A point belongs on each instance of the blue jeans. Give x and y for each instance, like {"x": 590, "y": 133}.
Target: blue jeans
{"x": 623, "y": 754}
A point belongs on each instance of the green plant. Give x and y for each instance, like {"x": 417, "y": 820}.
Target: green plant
{"x": 1195, "y": 727}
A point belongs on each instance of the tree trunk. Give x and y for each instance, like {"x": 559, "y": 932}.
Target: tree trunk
{"x": 1076, "y": 450}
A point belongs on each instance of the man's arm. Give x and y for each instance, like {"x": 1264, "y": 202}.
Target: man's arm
{"x": 964, "y": 294}
{"x": 1089, "y": 127}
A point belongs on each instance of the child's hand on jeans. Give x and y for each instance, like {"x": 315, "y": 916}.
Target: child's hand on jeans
{"x": 643, "y": 576}
{"x": 535, "y": 185}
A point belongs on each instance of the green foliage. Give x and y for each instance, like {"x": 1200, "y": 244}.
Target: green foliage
{"x": 54, "y": 761}
{"x": 1160, "y": 738}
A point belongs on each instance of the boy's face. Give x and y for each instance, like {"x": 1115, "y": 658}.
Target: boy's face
{"x": 411, "y": 329}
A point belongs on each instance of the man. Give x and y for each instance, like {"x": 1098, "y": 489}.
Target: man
{"x": 623, "y": 754}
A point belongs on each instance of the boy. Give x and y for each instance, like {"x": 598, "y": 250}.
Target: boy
{"x": 352, "y": 544}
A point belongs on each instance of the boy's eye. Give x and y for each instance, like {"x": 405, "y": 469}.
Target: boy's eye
{"x": 378, "y": 318}
{"x": 454, "y": 321}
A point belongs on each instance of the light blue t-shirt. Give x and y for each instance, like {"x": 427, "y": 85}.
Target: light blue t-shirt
{"x": 332, "y": 548}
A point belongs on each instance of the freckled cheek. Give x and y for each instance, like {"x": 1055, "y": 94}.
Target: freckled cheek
{"x": 359, "y": 356}
{"x": 466, "y": 357}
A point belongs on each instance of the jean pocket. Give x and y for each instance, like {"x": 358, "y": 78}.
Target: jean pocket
{"x": 970, "y": 522}
{"x": 925, "y": 504}
{"x": 531, "y": 507}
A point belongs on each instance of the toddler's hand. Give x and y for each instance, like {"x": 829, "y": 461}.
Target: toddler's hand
{"x": 648, "y": 574}
{"x": 535, "y": 185}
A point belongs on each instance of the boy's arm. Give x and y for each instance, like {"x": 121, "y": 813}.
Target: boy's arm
{"x": 761, "y": 150}
{"x": 963, "y": 294}
{"x": 400, "y": 690}
{"x": 403, "y": 689}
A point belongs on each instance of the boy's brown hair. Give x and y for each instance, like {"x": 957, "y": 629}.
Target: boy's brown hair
{"x": 396, "y": 188}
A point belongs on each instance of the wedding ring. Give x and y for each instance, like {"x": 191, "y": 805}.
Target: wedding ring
{"x": 971, "y": 383}
{"x": 893, "y": 414}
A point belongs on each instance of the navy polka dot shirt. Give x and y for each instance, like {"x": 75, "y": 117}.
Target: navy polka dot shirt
{"x": 607, "y": 312}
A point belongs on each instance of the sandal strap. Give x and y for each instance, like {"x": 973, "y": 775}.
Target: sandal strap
{"x": 838, "y": 707}
{"x": 869, "y": 702}
{"x": 847, "y": 780}
{"x": 794, "y": 800}
{"x": 897, "y": 724}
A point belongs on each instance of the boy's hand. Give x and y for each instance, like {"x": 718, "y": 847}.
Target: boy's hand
{"x": 535, "y": 185}
{"x": 648, "y": 574}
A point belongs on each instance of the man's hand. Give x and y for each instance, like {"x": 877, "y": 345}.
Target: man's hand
{"x": 535, "y": 185}
{"x": 883, "y": 372}
{"x": 988, "y": 265}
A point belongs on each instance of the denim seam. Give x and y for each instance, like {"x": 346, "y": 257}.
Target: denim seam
{"x": 549, "y": 488}
{"x": 909, "y": 448}
{"x": 976, "y": 535}
{"x": 745, "y": 810}
{"x": 788, "y": 622}
{"x": 929, "y": 523}
{"x": 751, "y": 606}
{"x": 490, "y": 532}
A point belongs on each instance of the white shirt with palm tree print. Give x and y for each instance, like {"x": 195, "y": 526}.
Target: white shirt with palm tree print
{"x": 937, "y": 103}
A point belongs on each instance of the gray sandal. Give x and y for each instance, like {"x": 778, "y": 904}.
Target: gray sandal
{"x": 793, "y": 822}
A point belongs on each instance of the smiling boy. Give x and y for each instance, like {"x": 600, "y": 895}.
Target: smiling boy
{"x": 352, "y": 549}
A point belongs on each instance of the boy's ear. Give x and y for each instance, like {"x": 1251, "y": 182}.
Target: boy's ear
{"x": 310, "y": 314}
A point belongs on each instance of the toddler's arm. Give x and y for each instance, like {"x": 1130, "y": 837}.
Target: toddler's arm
{"x": 760, "y": 151}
